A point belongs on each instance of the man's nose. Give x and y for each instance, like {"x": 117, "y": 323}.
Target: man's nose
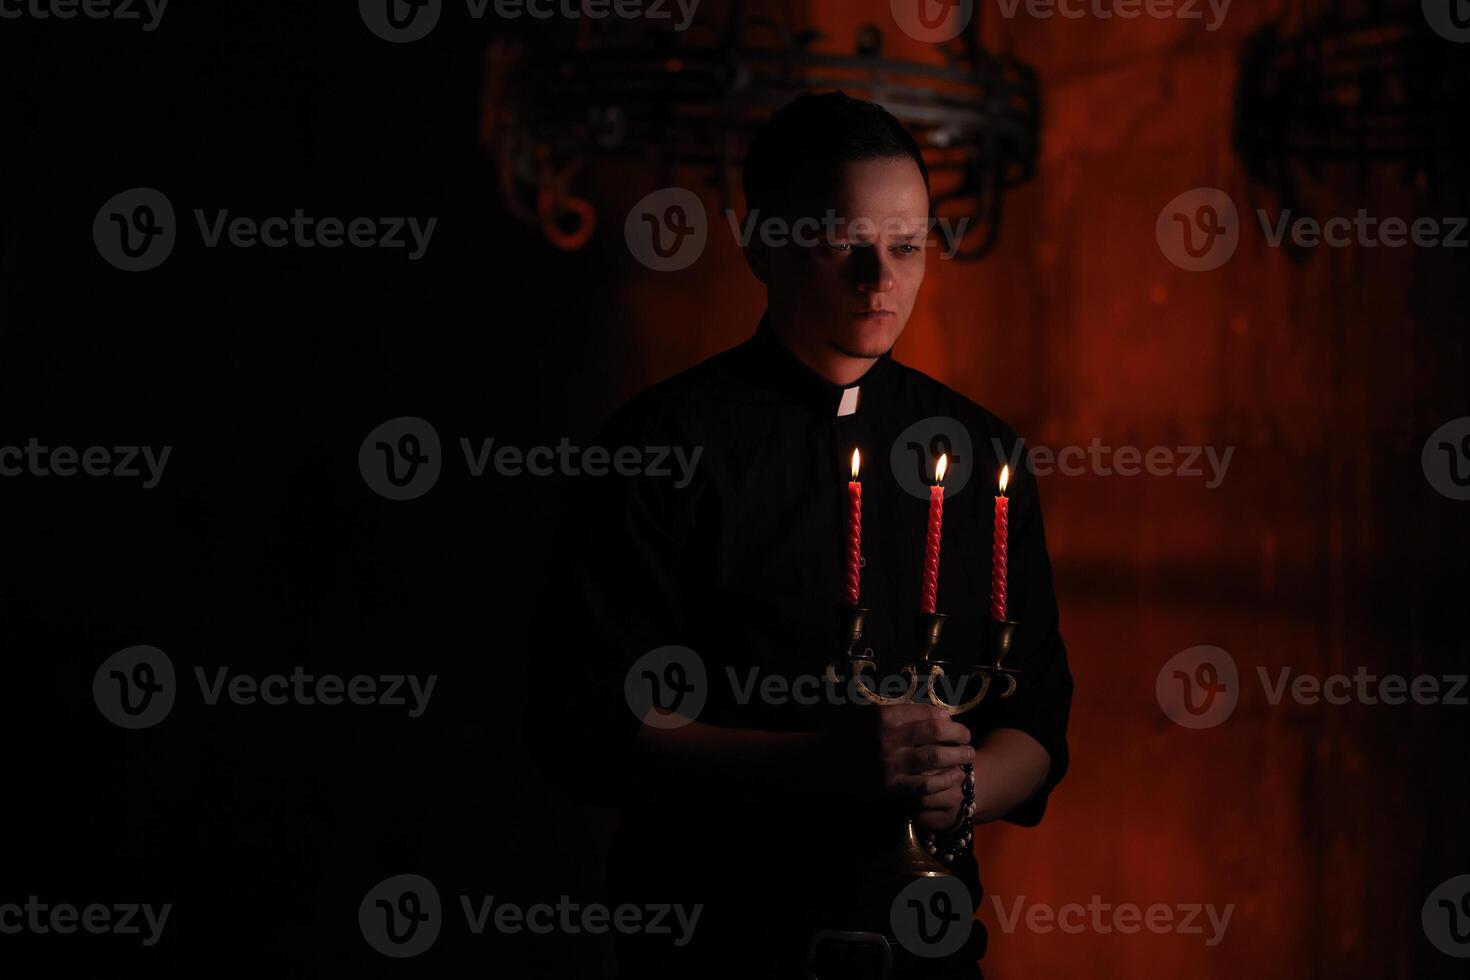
{"x": 874, "y": 274}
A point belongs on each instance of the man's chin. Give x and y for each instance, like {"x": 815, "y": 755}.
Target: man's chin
{"x": 865, "y": 353}
{"x": 869, "y": 346}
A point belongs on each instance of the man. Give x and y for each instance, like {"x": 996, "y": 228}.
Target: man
{"x": 755, "y": 803}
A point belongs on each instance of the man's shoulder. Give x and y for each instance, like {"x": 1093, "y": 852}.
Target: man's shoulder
{"x": 939, "y": 399}
{"x": 716, "y": 378}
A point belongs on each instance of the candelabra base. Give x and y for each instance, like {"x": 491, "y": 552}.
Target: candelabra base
{"x": 900, "y": 858}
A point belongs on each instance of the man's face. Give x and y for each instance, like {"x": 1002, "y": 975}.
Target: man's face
{"x": 849, "y": 283}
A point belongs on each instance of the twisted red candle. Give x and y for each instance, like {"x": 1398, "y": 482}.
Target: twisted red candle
{"x": 998, "y": 552}
{"x": 854, "y": 534}
{"x": 929, "y": 594}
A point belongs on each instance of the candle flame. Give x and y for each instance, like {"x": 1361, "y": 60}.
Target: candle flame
{"x": 855, "y": 460}
{"x": 939, "y": 470}
{"x": 1005, "y": 477}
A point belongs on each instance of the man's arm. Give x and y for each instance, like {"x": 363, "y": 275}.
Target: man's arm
{"x": 619, "y": 593}
{"x": 907, "y": 752}
{"x": 1010, "y": 767}
{"x": 1024, "y": 752}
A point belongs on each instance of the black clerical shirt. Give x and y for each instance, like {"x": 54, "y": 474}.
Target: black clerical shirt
{"x": 744, "y": 566}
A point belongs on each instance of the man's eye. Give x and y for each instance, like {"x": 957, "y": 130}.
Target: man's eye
{"x": 840, "y": 246}
{"x": 906, "y": 249}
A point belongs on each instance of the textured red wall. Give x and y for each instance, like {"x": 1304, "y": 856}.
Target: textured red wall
{"x": 1322, "y": 550}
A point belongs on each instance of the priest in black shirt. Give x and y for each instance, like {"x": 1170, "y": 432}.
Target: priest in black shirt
{"x": 760, "y": 807}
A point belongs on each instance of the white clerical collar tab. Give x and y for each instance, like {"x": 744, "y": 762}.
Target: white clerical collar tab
{"x": 849, "y": 402}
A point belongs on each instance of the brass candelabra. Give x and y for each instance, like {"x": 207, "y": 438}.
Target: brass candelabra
{"x": 901, "y": 857}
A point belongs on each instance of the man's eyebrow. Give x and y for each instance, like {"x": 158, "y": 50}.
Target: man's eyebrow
{"x": 871, "y": 234}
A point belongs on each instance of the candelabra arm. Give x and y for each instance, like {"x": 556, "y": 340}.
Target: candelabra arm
{"x": 937, "y": 672}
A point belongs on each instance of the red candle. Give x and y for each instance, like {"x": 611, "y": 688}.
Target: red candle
{"x": 929, "y": 595}
{"x": 998, "y": 554}
{"x": 854, "y": 534}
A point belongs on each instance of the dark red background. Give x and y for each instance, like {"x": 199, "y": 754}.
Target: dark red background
{"x": 1325, "y": 548}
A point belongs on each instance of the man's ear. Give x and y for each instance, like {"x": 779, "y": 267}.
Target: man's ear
{"x": 758, "y": 257}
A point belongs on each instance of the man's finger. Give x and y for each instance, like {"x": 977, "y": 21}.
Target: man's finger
{"x": 899, "y": 715}
{"x": 921, "y": 759}
{"x": 949, "y": 801}
{"x": 935, "y": 728}
{"x": 939, "y": 780}
{"x": 939, "y": 820}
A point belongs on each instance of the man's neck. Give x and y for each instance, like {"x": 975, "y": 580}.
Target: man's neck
{"x": 822, "y": 358}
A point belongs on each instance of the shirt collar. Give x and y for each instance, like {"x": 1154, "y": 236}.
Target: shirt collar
{"x": 787, "y": 373}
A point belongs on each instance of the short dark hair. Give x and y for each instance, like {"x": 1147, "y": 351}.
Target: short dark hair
{"x": 816, "y": 134}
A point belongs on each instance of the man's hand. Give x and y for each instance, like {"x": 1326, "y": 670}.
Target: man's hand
{"x": 921, "y": 749}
